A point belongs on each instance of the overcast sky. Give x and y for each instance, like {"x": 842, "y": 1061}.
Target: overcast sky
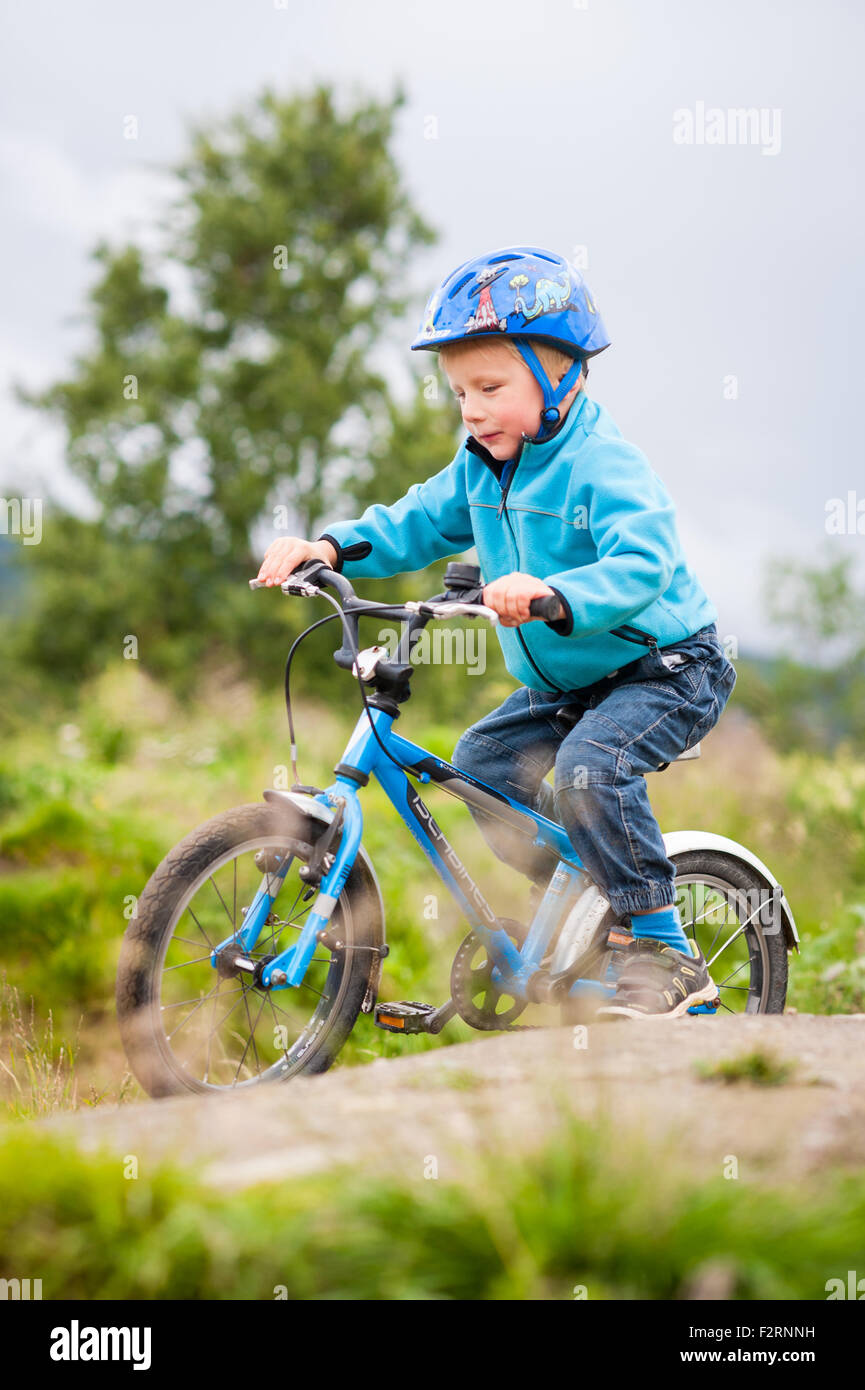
{"x": 565, "y": 123}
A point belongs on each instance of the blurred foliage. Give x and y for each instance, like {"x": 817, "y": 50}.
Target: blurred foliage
{"x": 585, "y": 1215}
{"x": 759, "y": 1067}
{"x": 813, "y": 697}
{"x": 207, "y": 421}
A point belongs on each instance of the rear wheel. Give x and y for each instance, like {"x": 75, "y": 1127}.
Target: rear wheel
{"x": 187, "y": 1026}
{"x": 728, "y": 910}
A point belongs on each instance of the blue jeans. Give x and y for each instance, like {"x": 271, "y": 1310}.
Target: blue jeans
{"x": 627, "y": 724}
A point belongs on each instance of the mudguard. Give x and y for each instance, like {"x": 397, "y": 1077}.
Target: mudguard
{"x": 681, "y": 841}
{"x": 362, "y": 867}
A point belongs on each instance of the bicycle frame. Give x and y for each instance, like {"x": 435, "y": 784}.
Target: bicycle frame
{"x": 365, "y": 756}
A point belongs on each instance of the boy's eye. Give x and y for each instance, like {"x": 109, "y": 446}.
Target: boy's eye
{"x": 460, "y": 395}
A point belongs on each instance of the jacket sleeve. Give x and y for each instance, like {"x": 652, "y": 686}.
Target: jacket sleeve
{"x": 632, "y": 522}
{"x": 432, "y": 520}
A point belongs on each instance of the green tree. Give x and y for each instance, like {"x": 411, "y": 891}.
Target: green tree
{"x": 814, "y": 694}
{"x": 294, "y": 233}
{"x": 248, "y": 394}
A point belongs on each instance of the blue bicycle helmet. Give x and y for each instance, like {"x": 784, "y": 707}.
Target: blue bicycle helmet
{"x": 521, "y": 292}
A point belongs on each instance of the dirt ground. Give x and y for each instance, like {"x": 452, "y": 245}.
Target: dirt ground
{"x": 504, "y": 1094}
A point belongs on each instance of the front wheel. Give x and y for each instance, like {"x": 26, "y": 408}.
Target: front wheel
{"x": 187, "y": 1027}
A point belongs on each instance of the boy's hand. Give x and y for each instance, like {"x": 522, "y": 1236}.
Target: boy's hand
{"x": 282, "y": 557}
{"x": 511, "y": 595}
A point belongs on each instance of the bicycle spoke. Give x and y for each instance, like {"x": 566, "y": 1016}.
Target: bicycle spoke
{"x": 196, "y": 945}
{"x": 227, "y": 1016}
{"x": 184, "y": 964}
{"x": 305, "y": 985}
{"x": 210, "y": 1040}
{"x": 735, "y": 972}
{"x": 277, "y": 926}
{"x": 200, "y": 928}
{"x": 694, "y": 920}
{"x": 737, "y": 933}
{"x": 232, "y": 920}
{"x": 184, "y": 1021}
{"x": 251, "y": 1038}
{"x": 177, "y": 1003}
{"x": 275, "y": 1023}
{"x": 721, "y": 927}
{"x": 285, "y": 1011}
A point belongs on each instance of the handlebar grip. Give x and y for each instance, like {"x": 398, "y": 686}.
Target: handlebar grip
{"x": 547, "y": 607}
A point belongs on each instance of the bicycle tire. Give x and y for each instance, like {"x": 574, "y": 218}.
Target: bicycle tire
{"x": 352, "y": 974}
{"x": 766, "y": 950}
{"x": 769, "y": 972}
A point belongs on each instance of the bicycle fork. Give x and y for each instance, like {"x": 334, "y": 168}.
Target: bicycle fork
{"x": 289, "y": 967}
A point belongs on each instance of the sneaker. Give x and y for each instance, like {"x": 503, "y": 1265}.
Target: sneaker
{"x": 658, "y": 982}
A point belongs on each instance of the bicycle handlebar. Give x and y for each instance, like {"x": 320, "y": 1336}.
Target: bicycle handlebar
{"x": 302, "y": 582}
{"x": 548, "y": 607}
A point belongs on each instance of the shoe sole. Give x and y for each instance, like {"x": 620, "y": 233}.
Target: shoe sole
{"x": 702, "y": 996}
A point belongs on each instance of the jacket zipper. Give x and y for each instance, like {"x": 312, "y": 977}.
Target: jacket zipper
{"x": 506, "y": 488}
{"x": 522, "y": 641}
{"x": 641, "y": 637}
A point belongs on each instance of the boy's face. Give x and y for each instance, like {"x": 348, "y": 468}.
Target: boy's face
{"x": 499, "y": 398}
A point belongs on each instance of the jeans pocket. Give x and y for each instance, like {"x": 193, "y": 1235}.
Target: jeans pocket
{"x": 718, "y": 689}
{"x": 672, "y": 669}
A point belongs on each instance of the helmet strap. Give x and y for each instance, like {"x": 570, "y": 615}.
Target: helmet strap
{"x": 553, "y": 395}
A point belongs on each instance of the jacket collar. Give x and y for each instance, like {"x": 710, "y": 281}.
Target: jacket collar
{"x": 538, "y": 452}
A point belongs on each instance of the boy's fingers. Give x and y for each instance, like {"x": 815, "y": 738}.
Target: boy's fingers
{"x": 277, "y": 566}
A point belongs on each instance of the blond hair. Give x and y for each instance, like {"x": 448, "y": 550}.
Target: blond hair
{"x": 554, "y": 361}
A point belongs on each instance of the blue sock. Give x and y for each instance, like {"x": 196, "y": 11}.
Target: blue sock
{"x": 663, "y": 926}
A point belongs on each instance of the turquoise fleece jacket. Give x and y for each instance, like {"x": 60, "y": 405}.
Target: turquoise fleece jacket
{"x": 583, "y": 511}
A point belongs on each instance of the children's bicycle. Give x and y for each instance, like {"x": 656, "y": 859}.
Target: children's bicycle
{"x": 260, "y": 938}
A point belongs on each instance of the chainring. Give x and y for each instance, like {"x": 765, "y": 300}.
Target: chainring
{"x": 467, "y": 982}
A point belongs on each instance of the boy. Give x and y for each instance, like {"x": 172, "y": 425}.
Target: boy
{"x": 556, "y": 502}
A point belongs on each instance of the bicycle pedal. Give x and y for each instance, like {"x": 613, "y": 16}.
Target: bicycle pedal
{"x": 710, "y": 1007}
{"x": 408, "y": 1016}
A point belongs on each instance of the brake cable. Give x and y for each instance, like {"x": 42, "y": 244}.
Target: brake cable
{"x": 340, "y": 613}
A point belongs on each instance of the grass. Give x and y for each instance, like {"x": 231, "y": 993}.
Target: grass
{"x": 90, "y": 807}
{"x": 37, "y": 1070}
{"x": 759, "y": 1067}
{"x": 585, "y": 1210}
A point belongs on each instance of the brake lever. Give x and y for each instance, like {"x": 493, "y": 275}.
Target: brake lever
{"x": 295, "y": 584}
{"x": 452, "y": 608}
{"x": 291, "y": 586}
